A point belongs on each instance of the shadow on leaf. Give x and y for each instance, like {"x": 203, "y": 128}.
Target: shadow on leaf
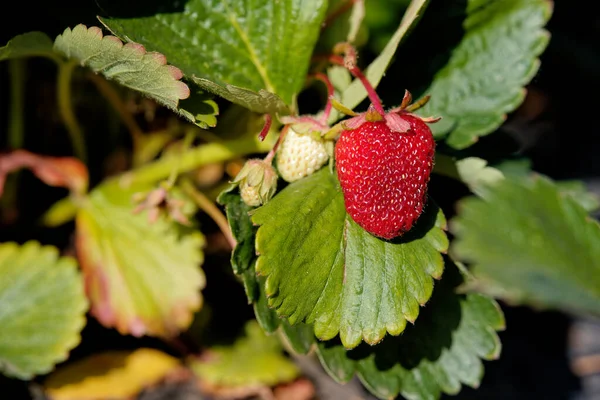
{"x": 424, "y": 224}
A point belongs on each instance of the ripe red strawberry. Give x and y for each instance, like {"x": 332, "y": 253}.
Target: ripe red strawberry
{"x": 384, "y": 173}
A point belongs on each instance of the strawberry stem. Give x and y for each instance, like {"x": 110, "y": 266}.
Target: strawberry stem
{"x": 269, "y": 158}
{"x": 265, "y": 130}
{"x": 349, "y": 62}
{"x": 330, "y": 92}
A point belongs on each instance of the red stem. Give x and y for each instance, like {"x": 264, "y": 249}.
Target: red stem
{"x": 269, "y": 158}
{"x": 265, "y": 130}
{"x": 349, "y": 62}
{"x": 330, "y": 92}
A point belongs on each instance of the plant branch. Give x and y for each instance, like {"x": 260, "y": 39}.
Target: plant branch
{"x": 65, "y": 107}
{"x": 194, "y": 158}
{"x": 210, "y": 208}
{"x": 265, "y": 130}
{"x": 349, "y": 61}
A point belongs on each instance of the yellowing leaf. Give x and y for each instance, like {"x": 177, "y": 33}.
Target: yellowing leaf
{"x": 110, "y": 375}
{"x": 141, "y": 278}
{"x": 253, "y": 360}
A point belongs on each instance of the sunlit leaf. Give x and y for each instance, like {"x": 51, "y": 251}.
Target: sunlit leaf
{"x": 442, "y": 351}
{"x": 484, "y": 77}
{"x": 42, "y": 308}
{"x": 264, "y": 48}
{"x": 323, "y": 269}
{"x": 253, "y": 360}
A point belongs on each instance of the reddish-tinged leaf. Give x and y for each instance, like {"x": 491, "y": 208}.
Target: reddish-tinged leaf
{"x": 142, "y": 278}
{"x": 67, "y": 172}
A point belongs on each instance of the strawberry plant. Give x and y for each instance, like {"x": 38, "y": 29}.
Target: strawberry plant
{"x": 375, "y": 238}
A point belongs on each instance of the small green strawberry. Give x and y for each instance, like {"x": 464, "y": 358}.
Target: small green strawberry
{"x": 300, "y": 155}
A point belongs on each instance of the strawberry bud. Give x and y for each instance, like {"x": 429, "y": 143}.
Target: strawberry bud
{"x": 257, "y": 181}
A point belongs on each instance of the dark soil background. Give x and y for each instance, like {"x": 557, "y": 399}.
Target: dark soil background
{"x": 555, "y": 128}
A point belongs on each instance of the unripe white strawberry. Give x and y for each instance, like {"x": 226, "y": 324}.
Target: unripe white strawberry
{"x": 257, "y": 181}
{"x": 300, "y": 155}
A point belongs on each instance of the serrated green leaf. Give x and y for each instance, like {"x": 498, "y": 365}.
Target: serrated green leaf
{"x": 484, "y": 77}
{"x": 257, "y": 47}
{"x": 579, "y": 192}
{"x": 243, "y": 260}
{"x": 42, "y": 308}
{"x": 266, "y": 316}
{"x": 28, "y": 45}
{"x": 325, "y": 270}
{"x": 438, "y": 354}
{"x": 255, "y": 359}
{"x": 356, "y": 93}
{"x": 142, "y": 278}
{"x": 533, "y": 241}
{"x": 131, "y": 66}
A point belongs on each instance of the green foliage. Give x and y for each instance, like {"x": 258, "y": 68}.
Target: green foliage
{"x": 314, "y": 277}
{"x": 143, "y": 278}
{"x": 255, "y": 359}
{"x": 531, "y": 243}
{"x": 484, "y": 77}
{"x": 27, "y": 45}
{"x": 42, "y": 308}
{"x": 324, "y": 269}
{"x": 257, "y": 47}
{"x": 438, "y": 354}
